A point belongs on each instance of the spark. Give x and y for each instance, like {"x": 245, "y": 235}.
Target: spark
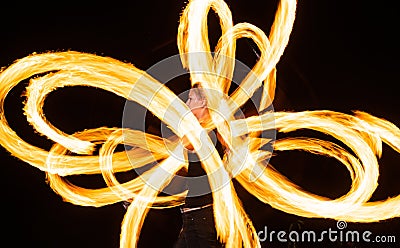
{"x": 362, "y": 133}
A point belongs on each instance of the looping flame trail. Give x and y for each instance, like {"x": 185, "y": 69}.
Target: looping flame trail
{"x": 361, "y": 132}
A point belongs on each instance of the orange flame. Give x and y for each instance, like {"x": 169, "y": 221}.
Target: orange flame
{"x": 362, "y": 132}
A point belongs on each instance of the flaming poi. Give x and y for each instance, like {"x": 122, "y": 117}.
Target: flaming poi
{"x": 362, "y": 133}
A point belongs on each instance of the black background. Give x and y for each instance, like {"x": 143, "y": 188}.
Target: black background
{"x": 342, "y": 56}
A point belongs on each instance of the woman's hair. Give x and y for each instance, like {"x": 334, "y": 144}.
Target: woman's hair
{"x": 198, "y": 90}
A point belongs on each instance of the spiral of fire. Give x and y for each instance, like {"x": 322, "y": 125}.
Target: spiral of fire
{"x": 362, "y": 133}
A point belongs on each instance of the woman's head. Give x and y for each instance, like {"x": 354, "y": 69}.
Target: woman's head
{"x": 197, "y": 101}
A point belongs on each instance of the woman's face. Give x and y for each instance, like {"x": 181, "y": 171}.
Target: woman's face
{"x": 195, "y": 103}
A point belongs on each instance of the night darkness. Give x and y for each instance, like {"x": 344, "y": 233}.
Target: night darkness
{"x": 342, "y": 56}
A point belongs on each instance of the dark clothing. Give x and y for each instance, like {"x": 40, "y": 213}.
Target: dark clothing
{"x": 199, "y": 191}
{"x": 198, "y": 228}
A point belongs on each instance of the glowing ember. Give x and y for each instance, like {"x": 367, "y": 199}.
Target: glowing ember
{"x": 361, "y": 132}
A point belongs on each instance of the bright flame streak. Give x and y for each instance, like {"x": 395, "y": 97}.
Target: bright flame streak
{"x": 362, "y": 133}
{"x": 137, "y": 211}
{"x": 351, "y": 207}
{"x": 104, "y": 196}
{"x": 194, "y": 46}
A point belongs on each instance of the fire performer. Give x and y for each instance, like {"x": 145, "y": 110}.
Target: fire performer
{"x": 198, "y": 226}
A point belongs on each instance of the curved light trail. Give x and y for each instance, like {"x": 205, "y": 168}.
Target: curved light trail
{"x": 362, "y": 133}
